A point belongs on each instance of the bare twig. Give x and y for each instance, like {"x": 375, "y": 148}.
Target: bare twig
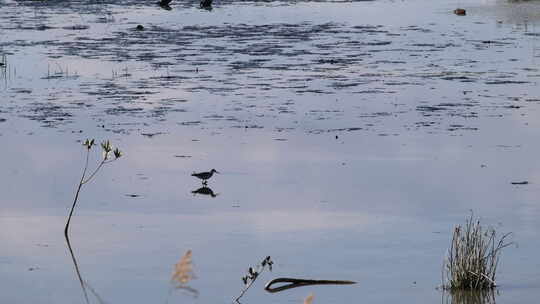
{"x": 253, "y": 274}
{"x": 107, "y": 150}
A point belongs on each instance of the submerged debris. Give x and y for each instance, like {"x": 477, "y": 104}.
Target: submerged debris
{"x": 520, "y": 183}
{"x": 289, "y": 283}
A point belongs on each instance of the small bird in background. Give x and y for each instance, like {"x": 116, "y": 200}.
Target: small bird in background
{"x": 165, "y": 4}
{"x": 206, "y": 4}
{"x": 204, "y": 176}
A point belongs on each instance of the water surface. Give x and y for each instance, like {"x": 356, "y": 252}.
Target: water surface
{"x": 351, "y": 137}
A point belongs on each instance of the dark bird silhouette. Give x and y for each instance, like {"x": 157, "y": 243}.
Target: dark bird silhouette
{"x": 206, "y": 4}
{"x": 204, "y": 176}
{"x": 165, "y": 4}
{"x": 205, "y": 191}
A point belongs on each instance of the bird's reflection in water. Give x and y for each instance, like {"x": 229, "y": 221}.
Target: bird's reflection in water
{"x": 84, "y": 285}
{"x": 204, "y": 190}
{"x": 469, "y": 297}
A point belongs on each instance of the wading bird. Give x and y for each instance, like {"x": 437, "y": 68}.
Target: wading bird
{"x": 204, "y": 176}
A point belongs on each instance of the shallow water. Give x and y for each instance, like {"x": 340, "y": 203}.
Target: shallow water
{"x": 351, "y": 137}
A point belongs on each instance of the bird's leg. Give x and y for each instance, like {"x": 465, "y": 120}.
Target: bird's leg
{"x": 204, "y": 182}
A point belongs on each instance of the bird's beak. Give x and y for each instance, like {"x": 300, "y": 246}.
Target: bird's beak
{"x": 217, "y": 171}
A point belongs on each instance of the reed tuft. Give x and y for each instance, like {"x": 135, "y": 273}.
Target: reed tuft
{"x": 473, "y": 257}
{"x": 183, "y": 270}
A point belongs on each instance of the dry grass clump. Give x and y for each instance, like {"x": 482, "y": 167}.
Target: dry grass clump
{"x": 183, "y": 274}
{"x": 183, "y": 270}
{"x": 473, "y": 257}
{"x": 309, "y": 299}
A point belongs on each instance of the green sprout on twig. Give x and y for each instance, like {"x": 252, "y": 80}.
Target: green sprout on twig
{"x": 108, "y": 156}
{"x": 253, "y": 274}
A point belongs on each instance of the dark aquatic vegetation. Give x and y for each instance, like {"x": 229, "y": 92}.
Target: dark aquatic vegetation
{"x": 204, "y": 176}
{"x": 473, "y": 257}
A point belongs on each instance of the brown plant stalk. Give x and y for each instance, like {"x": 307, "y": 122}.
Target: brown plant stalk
{"x": 107, "y": 150}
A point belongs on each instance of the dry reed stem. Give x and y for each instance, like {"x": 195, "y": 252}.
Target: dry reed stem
{"x": 183, "y": 270}
{"x": 107, "y": 151}
{"x": 473, "y": 257}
